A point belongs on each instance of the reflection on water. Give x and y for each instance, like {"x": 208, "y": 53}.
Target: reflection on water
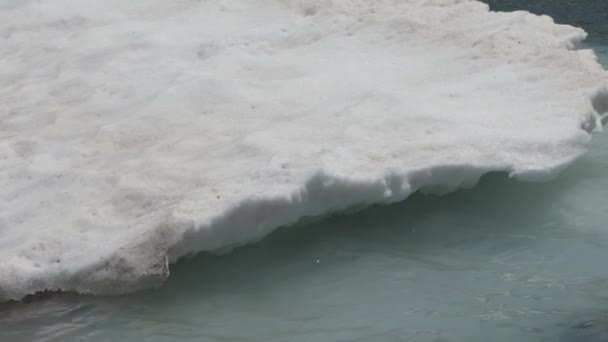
{"x": 504, "y": 261}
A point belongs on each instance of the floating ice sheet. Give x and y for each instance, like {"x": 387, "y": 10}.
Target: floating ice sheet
{"x": 134, "y": 133}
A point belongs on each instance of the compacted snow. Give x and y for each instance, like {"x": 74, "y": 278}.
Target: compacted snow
{"x": 133, "y": 133}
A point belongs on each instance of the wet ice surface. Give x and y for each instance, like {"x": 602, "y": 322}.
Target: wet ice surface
{"x": 505, "y": 261}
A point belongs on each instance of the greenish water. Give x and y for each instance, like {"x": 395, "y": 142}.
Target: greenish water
{"x": 505, "y": 261}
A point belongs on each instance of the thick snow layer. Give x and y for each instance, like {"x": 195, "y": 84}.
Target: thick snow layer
{"x": 133, "y": 133}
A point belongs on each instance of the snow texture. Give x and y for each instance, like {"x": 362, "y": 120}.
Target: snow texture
{"x": 133, "y": 133}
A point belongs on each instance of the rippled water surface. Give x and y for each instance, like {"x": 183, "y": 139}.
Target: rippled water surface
{"x": 505, "y": 261}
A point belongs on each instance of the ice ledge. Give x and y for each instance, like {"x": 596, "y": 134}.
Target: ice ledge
{"x": 524, "y": 89}
{"x": 144, "y": 260}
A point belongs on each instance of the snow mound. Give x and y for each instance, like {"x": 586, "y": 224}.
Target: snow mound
{"x": 133, "y": 133}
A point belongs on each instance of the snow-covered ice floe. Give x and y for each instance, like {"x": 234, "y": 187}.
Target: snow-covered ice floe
{"x": 133, "y": 133}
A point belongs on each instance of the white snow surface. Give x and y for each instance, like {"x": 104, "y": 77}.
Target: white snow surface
{"x": 133, "y": 133}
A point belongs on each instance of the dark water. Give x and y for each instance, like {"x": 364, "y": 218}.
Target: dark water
{"x": 505, "y": 261}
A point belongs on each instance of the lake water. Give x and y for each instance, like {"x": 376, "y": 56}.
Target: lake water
{"x": 505, "y": 261}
